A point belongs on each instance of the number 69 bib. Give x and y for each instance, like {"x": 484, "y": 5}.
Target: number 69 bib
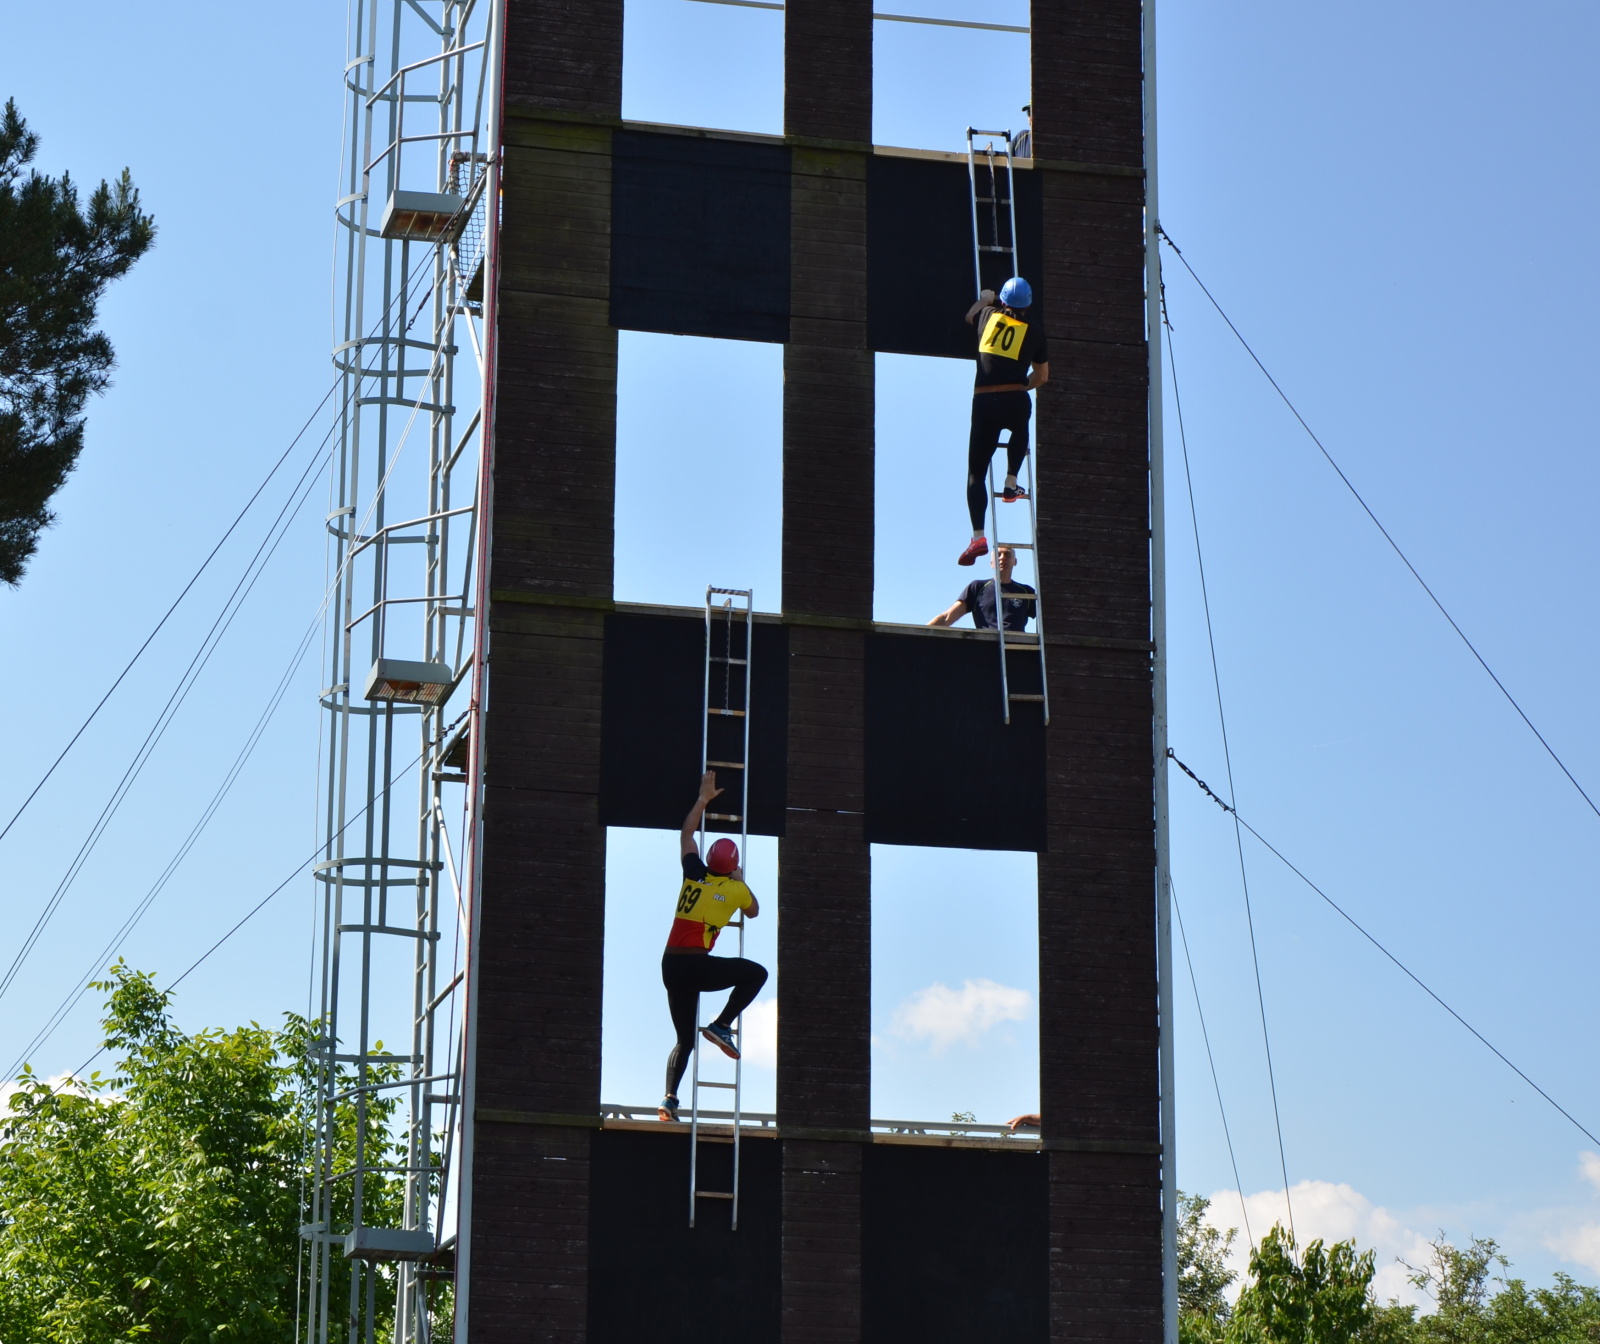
{"x": 1002, "y": 336}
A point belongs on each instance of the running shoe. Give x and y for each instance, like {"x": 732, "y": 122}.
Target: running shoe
{"x": 976, "y": 547}
{"x": 668, "y": 1110}
{"x": 721, "y": 1037}
{"x": 1012, "y": 493}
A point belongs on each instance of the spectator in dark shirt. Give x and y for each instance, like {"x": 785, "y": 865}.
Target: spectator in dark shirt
{"x": 978, "y": 598}
{"x": 1022, "y": 146}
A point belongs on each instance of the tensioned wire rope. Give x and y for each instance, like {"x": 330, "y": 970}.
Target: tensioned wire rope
{"x": 1376, "y": 522}
{"x": 1210, "y": 1058}
{"x": 162, "y": 724}
{"x": 254, "y": 568}
{"x": 1406, "y": 970}
{"x": 75, "y": 995}
{"x": 75, "y": 1074}
{"x": 120, "y": 936}
{"x": 1273, "y": 849}
{"x": 1227, "y": 756}
{"x": 205, "y": 564}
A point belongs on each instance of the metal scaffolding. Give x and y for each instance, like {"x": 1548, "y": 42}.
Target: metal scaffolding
{"x": 399, "y": 806}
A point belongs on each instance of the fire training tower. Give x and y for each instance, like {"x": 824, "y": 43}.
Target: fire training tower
{"x": 572, "y": 1225}
{"x": 568, "y": 709}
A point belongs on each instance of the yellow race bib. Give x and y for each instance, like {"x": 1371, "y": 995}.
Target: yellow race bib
{"x": 1002, "y": 336}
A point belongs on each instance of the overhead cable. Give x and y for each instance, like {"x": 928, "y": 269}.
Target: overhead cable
{"x": 1410, "y": 974}
{"x": 176, "y": 602}
{"x": 1194, "y": 984}
{"x": 1227, "y": 756}
{"x": 180, "y": 693}
{"x": 1395, "y": 546}
{"x": 186, "y": 683}
{"x": 204, "y": 564}
{"x": 256, "y": 909}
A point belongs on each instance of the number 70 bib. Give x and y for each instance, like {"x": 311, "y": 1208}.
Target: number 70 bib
{"x": 1002, "y": 336}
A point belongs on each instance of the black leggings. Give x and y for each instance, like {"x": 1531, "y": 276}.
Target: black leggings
{"x": 687, "y": 975}
{"x": 992, "y": 412}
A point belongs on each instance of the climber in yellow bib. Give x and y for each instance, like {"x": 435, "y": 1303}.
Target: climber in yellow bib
{"x": 713, "y": 892}
{"x": 1013, "y": 359}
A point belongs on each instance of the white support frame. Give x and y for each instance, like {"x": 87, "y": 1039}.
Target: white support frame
{"x": 406, "y": 589}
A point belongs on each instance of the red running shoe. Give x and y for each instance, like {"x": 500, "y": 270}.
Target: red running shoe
{"x": 976, "y": 547}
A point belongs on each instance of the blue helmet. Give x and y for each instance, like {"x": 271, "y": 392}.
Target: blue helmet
{"x": 1016, "y": 293}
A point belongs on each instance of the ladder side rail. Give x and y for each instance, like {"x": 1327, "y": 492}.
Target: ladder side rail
{"x": 1011, "y": 200}
{"x": 694, "y": 1074}
{"x": 1038, "y": 581}
{"x": 999, "y": 609}
{"x": 744, "y": 853}
{"x": 694, "y": 1120}
{"x": 977, "y": 249}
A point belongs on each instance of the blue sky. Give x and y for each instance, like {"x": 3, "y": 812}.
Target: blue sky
{"x": 1382, "y": 197}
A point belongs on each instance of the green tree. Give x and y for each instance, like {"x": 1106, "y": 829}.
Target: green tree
{"x": 1467, "y": 1312}
{"x": 1203, "y": 1274}
{"x": 1323, "y": 1296}
{"x": 56, "y": 260}
{"x": 164, "y": 1202}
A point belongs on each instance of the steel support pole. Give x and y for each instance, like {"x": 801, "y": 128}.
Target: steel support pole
{"x": 1158, "y": 635}
{"x": 472, "y": 875}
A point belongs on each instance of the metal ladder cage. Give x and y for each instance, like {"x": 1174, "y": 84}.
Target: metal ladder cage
{"x": 402, "y": 532}
{"x": 1003, "y": 242}
{"x": 730, "y": 700}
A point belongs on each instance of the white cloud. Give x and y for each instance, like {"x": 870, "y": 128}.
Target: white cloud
{"x": 1580, "y": 1245}
{"x": 1329, "y": 1212}
{"x": 759, "y": 1029}
{"x": 943, "y": 1016}
{"x": 59, "y": 1083}
{"x": 1577, "y": 1242}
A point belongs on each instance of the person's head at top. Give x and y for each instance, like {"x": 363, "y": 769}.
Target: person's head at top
{"x": 722, "y": 858}
{"x": 1016, "y": 295}
{"x": 1004, "y": 561}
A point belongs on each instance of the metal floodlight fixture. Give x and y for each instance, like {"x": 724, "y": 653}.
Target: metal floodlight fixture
{"x": 389, "y": 1243}
{"x": 421, "y": 216}
{"x": 410, "y": 683}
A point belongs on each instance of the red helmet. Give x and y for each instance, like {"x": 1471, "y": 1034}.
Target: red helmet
{"x": 723, "y": 857}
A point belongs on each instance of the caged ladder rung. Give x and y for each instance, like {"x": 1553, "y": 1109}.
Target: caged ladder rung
{"x": 730, "y": 643}
{"x": 1002, "y": 238}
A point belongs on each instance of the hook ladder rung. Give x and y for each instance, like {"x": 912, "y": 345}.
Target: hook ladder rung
{"x": 706, "y": 1083}
{"x": 724, "y": 816}
{"x": 713, "y": 1194}
{"x": 993, "y": 247}
{"x": 727, "y": 713}
{"x": 725, "y": 765}
{"x": 737, "y": 662}
{"x": 1036, "y": 699}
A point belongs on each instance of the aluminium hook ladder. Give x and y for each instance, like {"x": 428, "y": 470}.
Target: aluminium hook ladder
{"x": 724, "y": 747}
{"x": 999, "y": 227}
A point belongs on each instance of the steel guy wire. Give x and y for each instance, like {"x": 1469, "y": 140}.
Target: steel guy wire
{"x": 299, "y": 868}
{"x": 193, "y": 579}
{"x": 1409, "y": 973}
{"x": 186, "y": 683}
{"x": 1227, "y": 756}
{"x": 180, "y": 694}
{"x": 112, "y": 948}
{"x": 1367, "y": 509}
{"x": 1205, "y": 1035}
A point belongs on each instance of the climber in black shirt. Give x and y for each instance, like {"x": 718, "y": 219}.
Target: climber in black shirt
{"x": 1013, "y": 359}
